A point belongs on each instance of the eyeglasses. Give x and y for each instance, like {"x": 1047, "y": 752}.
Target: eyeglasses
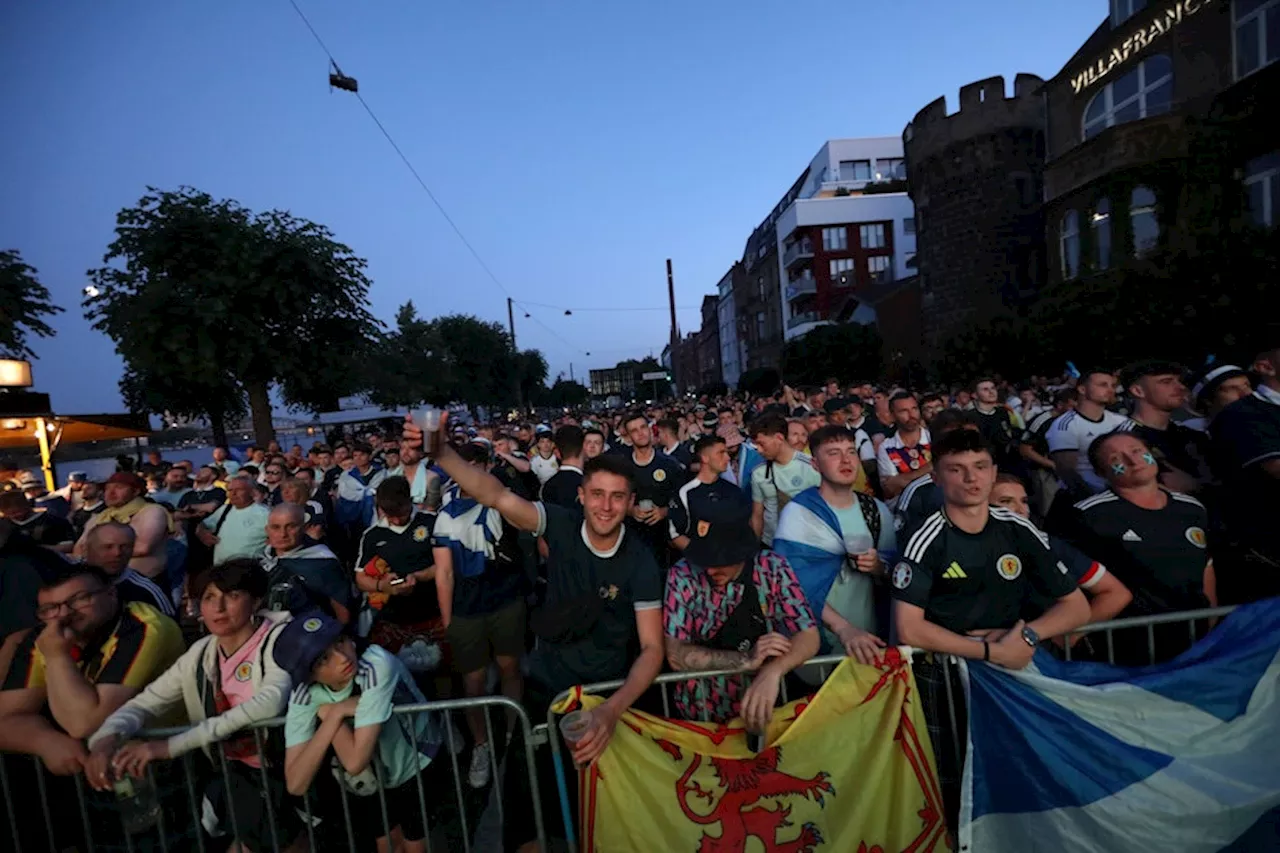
{"x": 79, "y": 601}
{"x": 274, "y": 471}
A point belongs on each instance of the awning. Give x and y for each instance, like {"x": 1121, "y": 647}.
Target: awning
{"x": 20, "y": 432}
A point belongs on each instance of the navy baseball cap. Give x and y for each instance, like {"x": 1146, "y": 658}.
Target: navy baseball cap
{"x": 307, "y": 636}
{"x": 720, "y": 531}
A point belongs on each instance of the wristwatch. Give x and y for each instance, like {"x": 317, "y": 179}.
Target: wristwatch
{"x": 1030, "y": 637}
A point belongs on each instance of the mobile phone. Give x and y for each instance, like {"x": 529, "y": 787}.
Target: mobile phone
{"x": 398, "y": 581}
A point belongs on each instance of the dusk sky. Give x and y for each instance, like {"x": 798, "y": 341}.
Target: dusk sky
{"x": 577, "y": 144}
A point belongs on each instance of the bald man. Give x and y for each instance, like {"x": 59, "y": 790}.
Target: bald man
{"x": 301, "y": 572}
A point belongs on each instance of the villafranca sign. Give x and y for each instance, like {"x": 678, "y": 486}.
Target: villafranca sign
{"x": 1138, "y": 41}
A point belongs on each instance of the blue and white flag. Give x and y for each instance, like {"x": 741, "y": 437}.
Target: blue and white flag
{"x": 1080, "y": 758}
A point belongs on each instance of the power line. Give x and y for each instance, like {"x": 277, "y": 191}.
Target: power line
{"x": 440, "y": 207}
{"x": 570, "y": 308}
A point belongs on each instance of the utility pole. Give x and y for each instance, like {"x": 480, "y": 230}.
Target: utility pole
{"x": 571, "y": 379}
{"x": 675, "y": 337}
{"x": 511, "y": 325}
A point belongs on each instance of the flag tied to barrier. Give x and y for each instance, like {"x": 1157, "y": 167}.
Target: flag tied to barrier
{"x": 1080, "y": 757}
{"x": 849, "y": 769}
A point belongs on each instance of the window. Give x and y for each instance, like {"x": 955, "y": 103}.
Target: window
{"x": 1143, "y": 221}
{"x": 1101, "y": 224}
{"x": 1069, "y": 242}
{"x": 1123, "y": 10}
{"x": 760, "y": 287}
{"x": 1262, "y": 187}
{"x": 1257, "y": 34}
{"x": 871, "y": 236}
{"x": 855, "y": 170}
{"x": 760, "y": 326}
{"x": 840, "y": 265}
{"x": 835, "y": 239}
{"x": 1145, "y": 91}
{"x": 880, "y": 268}
{"x": 891, "y": 168}
{"x": 909, "y": 225}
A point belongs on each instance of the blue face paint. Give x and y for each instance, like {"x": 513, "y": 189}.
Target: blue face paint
{"x": 1148, "y": 458}
{"x": 1118, "y": 468}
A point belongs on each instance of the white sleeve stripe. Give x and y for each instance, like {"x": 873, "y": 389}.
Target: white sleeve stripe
{"x": 924, "y": 537}
{"x": 1101, "y": 498}
{"x": 1095, "y": 574}
{"x": 542, "y": 518}
{"x": 1263, "y": 458}
{"x": 1009, "y": 515}
{"x": 647, "y": 605}
{"x": 1185, "y": 498}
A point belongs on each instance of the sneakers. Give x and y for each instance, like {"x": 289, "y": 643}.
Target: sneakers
{"x": 481, "y": 766}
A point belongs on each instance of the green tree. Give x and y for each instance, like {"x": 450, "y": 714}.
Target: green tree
{"x": 202, "y": 293}
{"x": 845, "y": 351}
{"x": 24, "y": 305}
{"x": 453, "y": 358}
{"x": 566, "y": 392}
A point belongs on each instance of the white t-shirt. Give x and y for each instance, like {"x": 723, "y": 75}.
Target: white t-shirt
{"x": 790, "y": 479}
{"x": 1073, "y": 431}
{"x": 544, "y": 468}
{"x": 243, "y": 534}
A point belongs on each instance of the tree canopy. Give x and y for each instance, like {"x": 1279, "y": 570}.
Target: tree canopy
{"x": 847, "y": 351}
{"x": 210, "y": 304}
{"x": 451, "y": 358}
{"x": 25, "y": 304}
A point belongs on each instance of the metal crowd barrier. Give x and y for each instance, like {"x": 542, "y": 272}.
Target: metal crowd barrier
{"x": 946, "y": 664}
{"x": 56, "y": 824}
{"x": 50, "y": 822}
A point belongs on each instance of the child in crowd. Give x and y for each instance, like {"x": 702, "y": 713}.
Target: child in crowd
{"x": 340, "y": 714}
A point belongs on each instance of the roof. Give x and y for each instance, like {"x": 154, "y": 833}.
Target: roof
{"x": 19, "y": 432}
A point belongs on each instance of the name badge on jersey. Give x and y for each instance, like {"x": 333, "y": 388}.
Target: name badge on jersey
{"x": 1009, "y": 567}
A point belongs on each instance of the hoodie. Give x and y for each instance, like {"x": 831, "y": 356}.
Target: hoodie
{"x": 180, "y": 686}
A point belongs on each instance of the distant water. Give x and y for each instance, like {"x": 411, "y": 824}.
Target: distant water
{"x": 100, "y": 469}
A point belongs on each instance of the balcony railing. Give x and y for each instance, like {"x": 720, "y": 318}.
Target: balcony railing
{"x": 797, "y": 252}
{"x": 802, "y": 318}
{"x": 802, "y": 286}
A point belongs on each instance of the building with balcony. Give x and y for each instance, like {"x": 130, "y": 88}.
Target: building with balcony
{"x": 1161, "y": 131}
{"x": 849, "y": 227}
{"x": 727, "y": 319}
{"x": 758, "y": 293}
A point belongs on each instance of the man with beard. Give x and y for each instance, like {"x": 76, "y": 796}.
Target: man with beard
{"x": 109, "y": 546}
{"x": 45, "y": 528}
{"x": 150, "y": 521}
{"x": 88, "y": 656}
{"x": 90, "y": 505}
{"x": 604, "y": 598}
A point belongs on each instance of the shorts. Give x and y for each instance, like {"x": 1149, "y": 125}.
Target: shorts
{"x": 476, "y": 640}
{"x": 404, "y": 809}
{"x": 942, "y": 692}
{"x": 258, "y": 812}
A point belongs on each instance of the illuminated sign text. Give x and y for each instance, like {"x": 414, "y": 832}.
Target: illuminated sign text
{"x": 1138, "y": 41}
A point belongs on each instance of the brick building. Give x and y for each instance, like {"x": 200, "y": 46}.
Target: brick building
{"x": 976, "y": 177}
{"x": 1161, "y": 132}
{"x": 709, "y": 342}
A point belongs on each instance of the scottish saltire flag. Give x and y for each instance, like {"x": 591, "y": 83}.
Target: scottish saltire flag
{"x": 1080, "y": 758}
{"x": 809, "y": 536}
{"x": 849, "y": 770}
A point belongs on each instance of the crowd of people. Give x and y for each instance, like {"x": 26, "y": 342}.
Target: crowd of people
{"x": 521, "y": 559}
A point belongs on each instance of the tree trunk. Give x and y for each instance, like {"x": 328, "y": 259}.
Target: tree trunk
{"x": 260, "y": 408}
{"x": 218, "y": 423}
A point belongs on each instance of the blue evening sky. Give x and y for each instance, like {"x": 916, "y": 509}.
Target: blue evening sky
{"x": 577, "y": 143}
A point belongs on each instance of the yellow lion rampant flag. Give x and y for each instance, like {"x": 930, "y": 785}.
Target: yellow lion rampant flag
{"x": 849, "y": 769}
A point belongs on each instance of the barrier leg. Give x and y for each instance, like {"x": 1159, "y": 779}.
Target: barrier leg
{"x": 8, "y": 806}
{"x": 266, "y": 790}
{"x": 557, "y": 763}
